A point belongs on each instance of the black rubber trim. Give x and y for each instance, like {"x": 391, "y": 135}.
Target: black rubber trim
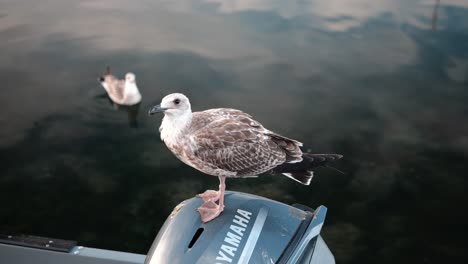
{"x": 46, "y": 243}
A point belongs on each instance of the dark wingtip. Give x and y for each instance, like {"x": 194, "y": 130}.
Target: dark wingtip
{"x": 330, "y": 157}
{"x": 321, "y": 158}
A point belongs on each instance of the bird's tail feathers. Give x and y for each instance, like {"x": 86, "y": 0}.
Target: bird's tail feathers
{"x": 302, "y": 172}
{"x": 102, "y": 78}
{"x": 303, "y": 177}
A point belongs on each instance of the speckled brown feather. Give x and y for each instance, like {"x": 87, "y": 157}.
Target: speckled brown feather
{"x": 116, "y": 86}
{"x": 230, "y": 142}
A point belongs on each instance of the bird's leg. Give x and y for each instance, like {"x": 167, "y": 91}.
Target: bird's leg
{"x": 210, "y": 210}
{"x": 222, "y": 188}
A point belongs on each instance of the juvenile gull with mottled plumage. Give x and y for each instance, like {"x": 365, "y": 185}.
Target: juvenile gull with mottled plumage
{"x": 226, "y": 142}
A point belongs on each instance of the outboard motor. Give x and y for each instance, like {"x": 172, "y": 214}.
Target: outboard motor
{"x": 251, "y": 229}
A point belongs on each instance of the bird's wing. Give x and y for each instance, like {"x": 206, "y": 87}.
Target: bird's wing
{"x": 232, "y": 141}
{"x": 115, "y": 87}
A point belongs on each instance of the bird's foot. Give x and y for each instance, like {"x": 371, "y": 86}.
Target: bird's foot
{"x": 209, "y": 211}
{"x": 209, "y": 195}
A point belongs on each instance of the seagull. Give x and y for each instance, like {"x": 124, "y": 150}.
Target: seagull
{"x": 229, "y": 143}
{"x": 122, "y": 92}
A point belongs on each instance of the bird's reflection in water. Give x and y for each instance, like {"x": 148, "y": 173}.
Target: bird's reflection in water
{"x": 132, "y": 110}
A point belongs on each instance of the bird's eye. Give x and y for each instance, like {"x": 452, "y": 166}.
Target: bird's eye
{"x": 176, "y": 101}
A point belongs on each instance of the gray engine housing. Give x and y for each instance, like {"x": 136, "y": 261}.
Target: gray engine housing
{"x": 251, "y": 229}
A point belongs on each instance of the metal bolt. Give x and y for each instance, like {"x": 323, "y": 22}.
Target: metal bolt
{"x": 50, "y": 241}
{"x": 47, "y": 245}
{"x": 76, "y": 252}
{"x": 9, "y": 236}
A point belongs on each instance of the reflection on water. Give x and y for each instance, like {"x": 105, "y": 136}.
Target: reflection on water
{"x": 130, "y": 110}
{"x": 132, "y": 113}
{"x": 369, "y": 79}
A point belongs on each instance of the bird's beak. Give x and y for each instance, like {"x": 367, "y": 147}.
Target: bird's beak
{"x": 156, "y": 109}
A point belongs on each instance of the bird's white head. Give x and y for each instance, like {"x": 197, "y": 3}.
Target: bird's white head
{"x": 177, "y": 116}
{"x": 174, "y": 105}
{"x": 130, "y": 77}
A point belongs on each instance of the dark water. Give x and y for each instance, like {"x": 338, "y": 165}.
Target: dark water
{"x": 383, "y": 82}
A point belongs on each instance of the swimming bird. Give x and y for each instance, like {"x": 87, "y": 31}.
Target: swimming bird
{"x": 226, "y": 142}
{"x": 123, "y": 92}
